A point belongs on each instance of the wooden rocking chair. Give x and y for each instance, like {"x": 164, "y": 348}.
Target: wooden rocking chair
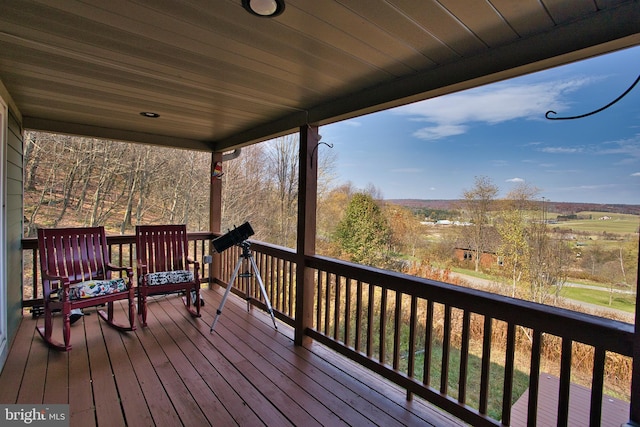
{"x": 164, "y": 266}
{"x": 76, "y": 273}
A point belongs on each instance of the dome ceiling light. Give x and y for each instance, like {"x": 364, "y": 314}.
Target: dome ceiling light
{"x": 264, "y": 8}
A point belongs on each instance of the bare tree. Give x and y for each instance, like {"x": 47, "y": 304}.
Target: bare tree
{"x": 478, "y": 202}
{"x": 282, "y": 158}
{"x": 134, "y": 181}
{"x": 108, "y": 169}
{"x": 512, "y": 225}
{"x": 73, "y": 165}
{"x": 31, "y": 159}
{"x": 244, "y": 190}
{"x": 548, "y": 262}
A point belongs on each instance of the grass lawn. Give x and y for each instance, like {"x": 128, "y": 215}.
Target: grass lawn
{"x": 496, "y": 373}
{"x": 618, "y": 224}
{"x": 623, "y": 302}
{"x": 473, "y": 273}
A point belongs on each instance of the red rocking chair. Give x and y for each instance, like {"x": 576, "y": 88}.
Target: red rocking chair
{"x": 76, "y": 273}
{"x": 164, "y": 266}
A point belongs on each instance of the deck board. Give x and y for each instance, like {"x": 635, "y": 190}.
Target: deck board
{"x": 33, "y": 381}
{"x": 615, "y": 412}
{"x": 174, "y": 372}
{"x": 105, "y": 392}
{"x": 134, "y": 406}
{"x": 14, "y": 367}
{"x": 80, "y": 390}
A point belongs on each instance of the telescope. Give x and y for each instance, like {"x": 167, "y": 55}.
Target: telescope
{"x": 238, "y": 236}
{"x": 233, "y": 237}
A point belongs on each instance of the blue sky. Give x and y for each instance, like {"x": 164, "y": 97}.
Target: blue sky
{"x": 440, "y": 145}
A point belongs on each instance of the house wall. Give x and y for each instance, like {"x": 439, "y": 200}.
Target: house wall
{"x": 487, "y": 260}
{"x": 13, "y": 232}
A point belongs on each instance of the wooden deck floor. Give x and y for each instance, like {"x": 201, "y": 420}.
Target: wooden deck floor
{"x": 174, "y": 372}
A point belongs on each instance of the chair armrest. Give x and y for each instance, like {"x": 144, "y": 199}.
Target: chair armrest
{"x": 141, "y": 267}
{"x": 62, "y": 279}
{"x": 48, "y": 278}
{"x": 196, "y": 264}
{"x": 112, "y": 267}
{"x": 196, "y": 268}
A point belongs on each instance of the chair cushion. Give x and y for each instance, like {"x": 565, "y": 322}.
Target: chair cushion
{"x": 95, "y": 288}
{"x": 169, "y": 277}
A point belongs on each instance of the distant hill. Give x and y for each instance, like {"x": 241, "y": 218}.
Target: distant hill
{"x": 562, "y": 208}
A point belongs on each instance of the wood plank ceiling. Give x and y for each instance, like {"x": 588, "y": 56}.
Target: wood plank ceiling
{"x": 220, "y": 77}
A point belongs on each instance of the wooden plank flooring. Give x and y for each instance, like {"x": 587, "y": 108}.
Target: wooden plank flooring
{"x": 615, "y": 412}
{"x": 174, "y": 372}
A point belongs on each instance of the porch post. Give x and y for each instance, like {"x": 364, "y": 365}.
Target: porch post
{"x": 306, "y": 244}
{"x": 634, "y": 416}
{"x": 215, "y": 214}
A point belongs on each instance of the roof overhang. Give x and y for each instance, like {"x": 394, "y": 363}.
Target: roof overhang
{"x": 221, "y": 78}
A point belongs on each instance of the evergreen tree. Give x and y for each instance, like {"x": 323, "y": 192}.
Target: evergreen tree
{"x": 363, "y": 232}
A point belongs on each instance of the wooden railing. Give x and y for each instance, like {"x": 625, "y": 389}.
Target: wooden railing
{"x": 434, "y": 339}
{"x": 410, "y": 330}
{"x": 278, "y": 271}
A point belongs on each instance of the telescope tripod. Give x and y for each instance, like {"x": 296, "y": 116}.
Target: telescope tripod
{"x": 245, "y": 256}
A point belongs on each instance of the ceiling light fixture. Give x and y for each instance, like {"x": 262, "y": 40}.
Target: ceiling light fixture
{"x": 150, "y": 114}
{"x": 264, "y": 8}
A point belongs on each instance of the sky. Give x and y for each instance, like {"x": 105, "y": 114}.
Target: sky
{"x": 439, "y": 146}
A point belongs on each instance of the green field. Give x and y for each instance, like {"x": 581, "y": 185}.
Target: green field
{"x": 623, "y": 302}
{"x": 618, "y": 224}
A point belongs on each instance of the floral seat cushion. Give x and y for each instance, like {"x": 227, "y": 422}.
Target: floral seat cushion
{"x": 166, "y": 277}
{"x": 95, "y": 288}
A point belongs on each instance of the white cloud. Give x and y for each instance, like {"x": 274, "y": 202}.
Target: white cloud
{"x": 635, "y": 174}
{"x": 515, "y": 180}
{"x": 588, "y": 187}
{"x": 561, "y": 150}
{"x": 352, "y": 123}
{"x": 449, "y": 115}
{"x": 407, "y": 170}
{"x": 629, "y": 147}
{"x": 439, "y": 132}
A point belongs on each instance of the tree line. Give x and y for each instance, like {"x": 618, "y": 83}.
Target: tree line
{"x": 75, "y": 181}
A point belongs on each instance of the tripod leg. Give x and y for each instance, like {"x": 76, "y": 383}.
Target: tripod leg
{"x": 226, "y": 294}
{"x": 264, "y": 292}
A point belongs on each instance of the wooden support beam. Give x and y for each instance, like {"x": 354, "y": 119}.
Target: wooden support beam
{"x": 306, "y": 244}
{"x": 634, "y": 416}
{"x": 215, "y": 212}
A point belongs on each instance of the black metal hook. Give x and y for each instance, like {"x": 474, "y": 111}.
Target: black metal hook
{"x": 316, "y": 147}
{"x": 595, "y": 111}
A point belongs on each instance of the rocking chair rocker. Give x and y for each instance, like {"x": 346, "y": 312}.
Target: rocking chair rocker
{"x": 76, "y": 273}
{"x": 164, "y": 266}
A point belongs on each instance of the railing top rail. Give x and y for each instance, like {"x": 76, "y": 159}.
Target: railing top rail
{"x": 116, "y": 239}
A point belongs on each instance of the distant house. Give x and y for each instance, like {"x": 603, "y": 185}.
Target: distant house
{"x": 604, "y": 218}
{"x": 463, "y": 249}
{"x": 487, "y": 259}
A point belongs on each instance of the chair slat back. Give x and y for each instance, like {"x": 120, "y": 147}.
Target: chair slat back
{"x": 162, "y": 247}
{"x": 77, "y": 253}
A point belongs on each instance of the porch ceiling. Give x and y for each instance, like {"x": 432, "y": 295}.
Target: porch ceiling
{"x": 221, "y": 78}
